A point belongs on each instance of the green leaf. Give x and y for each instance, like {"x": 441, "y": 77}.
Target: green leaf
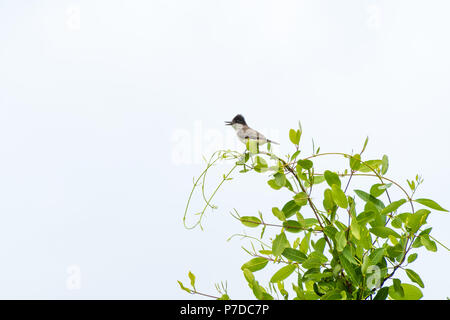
{"x": 295, "y": 154}
{"x": 341, "y": 241}
{"x": 340, "y": 225}
{"x": 318, "y": 179}
{"x": 280, "y": 179}
{"x": 379, "y": 221}
{"x": 328, "y": 203}
{"x": 309, "y": 222}
{"x": 410, "y": 291}
{"x": 397, "y": 222}
{"x": 266, "y": 296}
{"x": 305, "y": 164}
{"x": 294, "y": 136}
{"x": 261, "y": 161}
{"x": 283, "y": 291}
{"x": 365, "y": 264}
{"x": 252, "y": 146}
{"x": 192, "y": 278}
{"x": 348, "y": 253}
{"x": 261, "y": 165}
{"x": 248, "y": 276}
{"x": 365, "y": 217}
{"x": 332, "y": 295}
{"x": 263, "y": 230}
{"x": 292, "y": 226}
{"x": 369, "y": 198}
{"x": 377, "y": 189}
{"x": 417, "y": 219}
{"x": 183, "y": 287}
{"x": 426, "y": 231}
{"x": 395, "y": 251}
{"x": 312, "y": 262}
{"x": 250, "y": 221}
{"x": 414, "y": 277}
{"x": 283, "y": 273}
{"x": 428, "y": 243}
{"x": 366, "y": 239}
{"x": 315, "y": 275}
{"x": 290, "y": 208}
{"x": 319, "y": 246}
{"x": 255, "y": 264}
{"x": 364, "y": 195}
{"x": 279, "y": 244}
{"x": 384, "y": 164}
{"x": 272, "y": 183}
{"x": 304, "y": 244}
{"x": 300, "y": 172}
{"x": 403, "y": 216}
{"x": 411, "y": 184}
{"x": 417, "y": 243}
{"x": 376, "y": 256}
{"x": 365, "y": 144}
{"x": 332, "y": 178}
{"x": 279, "y": 214}
{"x": 383, "y": 232}
{"x": 330, "y": 231}
{"x": 257, "y": 289}
{"x": 368, "y": 165}
{"x": 294, "y": 255}
{"x": 412, "y": 257}
{"x": 431, "y": 204}
{"x": 382, "y": 294}
{"x": 349, "y": 269}
{"x": 355, "y": 162}
{"x": 339, "y": 196}
{"x": 355, "y": 229}
{"x": 393, "y": 239}
{"x": 301, "y": 198}
{"x": 398, "y": 289}
{"x": 319, "y": 255}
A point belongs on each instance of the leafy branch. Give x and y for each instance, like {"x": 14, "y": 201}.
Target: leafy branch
{"x": 357, "y": 259}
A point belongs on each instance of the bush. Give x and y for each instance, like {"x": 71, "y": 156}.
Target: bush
{"x": 349, "y": 245}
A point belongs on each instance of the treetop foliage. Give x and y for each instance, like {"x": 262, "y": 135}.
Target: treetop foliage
{"x": 335, "y": 240}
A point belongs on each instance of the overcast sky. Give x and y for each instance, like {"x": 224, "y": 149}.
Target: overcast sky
{"x": 106, "y": 108}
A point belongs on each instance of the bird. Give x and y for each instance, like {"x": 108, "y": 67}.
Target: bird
{"x": 245, "y": 133}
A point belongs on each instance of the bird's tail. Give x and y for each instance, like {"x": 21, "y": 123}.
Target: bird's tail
{"x": 272, "y": 142}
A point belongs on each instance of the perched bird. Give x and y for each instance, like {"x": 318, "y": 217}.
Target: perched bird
{"x": 245, "y": 133}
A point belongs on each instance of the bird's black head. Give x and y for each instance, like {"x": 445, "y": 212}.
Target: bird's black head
{"x": 238, "y": 119}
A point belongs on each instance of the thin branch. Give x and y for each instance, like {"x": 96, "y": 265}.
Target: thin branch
{"x": 204, "y": 294}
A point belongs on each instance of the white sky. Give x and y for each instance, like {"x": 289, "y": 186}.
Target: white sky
{"x": 95, "y": 95}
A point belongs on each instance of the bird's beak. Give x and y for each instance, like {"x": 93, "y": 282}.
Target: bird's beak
{"x": 228, "y": 123}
